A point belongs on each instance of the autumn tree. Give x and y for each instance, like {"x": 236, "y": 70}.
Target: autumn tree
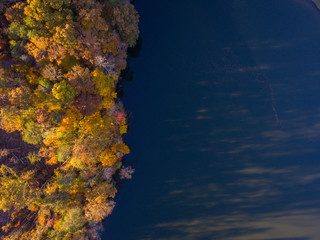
{"x": 52, "y": 72}
{"x": 50, "y": 13}
{"x": 31, "y": 133}
{"x": 126, "y": 19}
{"x": 79, "y": 78}
{"x": 15, "y": 190}
{"x": 69, "y": 225}
{"x": 20, "y": 97}
{"x": 61, "y": 63}
{"x": 63, "y": 92}
{"x": 11, "y": 119}
{"x": 99, "y": 201}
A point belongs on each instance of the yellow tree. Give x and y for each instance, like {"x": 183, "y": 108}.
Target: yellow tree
{"x": 15, "y": 189}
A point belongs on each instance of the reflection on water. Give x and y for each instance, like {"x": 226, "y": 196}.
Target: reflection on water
{"x": 227, "y": 131}
{"x": 290, "y": 225}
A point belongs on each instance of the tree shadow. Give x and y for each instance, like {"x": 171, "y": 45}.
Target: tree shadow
{"x": 134, "y": 52}
{"x": 126, "y": 75}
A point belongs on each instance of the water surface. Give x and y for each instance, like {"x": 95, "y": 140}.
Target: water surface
{"x": 225, "y": 123}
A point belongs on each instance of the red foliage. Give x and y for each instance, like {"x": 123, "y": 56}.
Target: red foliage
{"x": 120, "y": 116}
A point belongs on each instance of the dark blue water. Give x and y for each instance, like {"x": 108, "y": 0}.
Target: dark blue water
{"x": 225, "y": 123}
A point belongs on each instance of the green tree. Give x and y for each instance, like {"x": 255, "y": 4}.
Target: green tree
{"x": 16, "y": 30}
{"x": 15, "y": 190}
{"x": 71, "y": 223}
{"x": 32, "y": 133}
{"x": 66, "y": 35}
{"x": 33, "y": 157}
{"x": 49, "y": 13}
{"x": 63, "y": 92}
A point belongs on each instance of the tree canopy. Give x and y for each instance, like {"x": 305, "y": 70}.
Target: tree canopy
{"x": 60, "y": 63}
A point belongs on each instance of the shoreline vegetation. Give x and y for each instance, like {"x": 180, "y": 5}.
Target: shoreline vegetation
{"x": 61, "y": 123}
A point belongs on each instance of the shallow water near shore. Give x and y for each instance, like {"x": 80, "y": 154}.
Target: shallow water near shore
{"x": 225, "y": 123}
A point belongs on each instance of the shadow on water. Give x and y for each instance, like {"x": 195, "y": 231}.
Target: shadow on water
{"x": 134, "y": 52}
{"x": 125, "y": 77}
{"x": 127, "y": 74}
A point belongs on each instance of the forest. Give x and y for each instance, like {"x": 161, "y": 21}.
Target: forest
{"x": 61, "y": 121}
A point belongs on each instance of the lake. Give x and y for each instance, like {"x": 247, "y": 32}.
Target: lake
{"x": 224, "y": 123}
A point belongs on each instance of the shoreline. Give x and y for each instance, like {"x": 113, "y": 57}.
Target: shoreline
{"x": 60, "y": 94}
